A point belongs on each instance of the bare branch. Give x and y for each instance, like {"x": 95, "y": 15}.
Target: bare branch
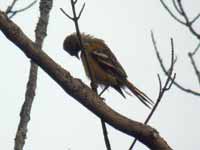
{"x": 105, "y": 133}
{"x": 176, "y": 7}
{"x": 170, "y": 12}
{"x": 14, "y": 12}
{"x": 79, "y": 15}
{"x": 195, "y": 19}
{"x": 78, "y": 90}
{"x": 182, "y": 12}
{"x": 32, "y": 81}
{"x": 169, "y": 81}
{"x": 10, "y": 7}
{"x": 197, "y": 72}
{"x": 167, "y": 73}
{"x": 93, "y": 84}
{"x": 27, "y": 7}
{"x": 71, "y": 18}
{"x": 160, "y": 83}
{"x": 188, "y": 22}
{"x": 195, "y": 50}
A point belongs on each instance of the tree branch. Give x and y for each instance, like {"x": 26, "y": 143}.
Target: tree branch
{"x": 75, "y": 19}
{"x": 40, "y": 33}
{"x": 167, "y": 74}
{"x": 196, "y": 49}
{"x": 162, "y": 89}
{"x": 171, "y": 13}
{"x": 82, "y": 93}
{"x": 183, "y": 14}
{"x": 14, "y": 12}
{"x": 197, "y": 72}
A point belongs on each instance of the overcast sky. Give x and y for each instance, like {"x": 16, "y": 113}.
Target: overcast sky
{"x": 57, "y": 120}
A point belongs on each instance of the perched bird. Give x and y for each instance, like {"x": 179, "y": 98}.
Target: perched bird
{"x": 104, "y": 66}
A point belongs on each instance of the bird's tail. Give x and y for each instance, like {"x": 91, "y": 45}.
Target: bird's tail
{"x": 139, "y": 94}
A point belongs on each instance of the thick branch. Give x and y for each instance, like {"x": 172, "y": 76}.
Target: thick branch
{"x": 82, "y": 93}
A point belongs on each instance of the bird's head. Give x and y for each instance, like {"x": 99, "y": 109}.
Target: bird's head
{"x": 71, "y": 45}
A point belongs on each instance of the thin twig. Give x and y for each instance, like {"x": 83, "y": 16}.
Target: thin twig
{"x": 197, "y": 72}
{"x": 183, "y": 12}
{"x": 25, "y": 8}
{"x": 195, "y": 50}
{"x": 188, "y": 23}
{"x": 75, "y": 19}
{"x": 79, "y": 15}
{"x": 166, "y": 73}
{"x": 195, "y": 19}
{"x": 191, "y": 56}
{"x": 176, "y": 7}
{"x": 162, "y": 89}
{"x": 14, "y": 12}
{"x": 93, "y": 84}
{"x": 71, "y": 18}
{"x": 105, "y": 133}
{"x": 10, "y": 7}
{"x": 171, "y": 13}
{"x": 160, "y": 83}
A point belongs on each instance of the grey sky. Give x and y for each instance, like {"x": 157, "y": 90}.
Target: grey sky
{"x": 58, "y": 121}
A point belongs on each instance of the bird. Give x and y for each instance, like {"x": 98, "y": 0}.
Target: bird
{"x": 100, "y": 61}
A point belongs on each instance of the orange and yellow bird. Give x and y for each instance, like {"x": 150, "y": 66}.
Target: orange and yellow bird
{"x": 104, "y": 66}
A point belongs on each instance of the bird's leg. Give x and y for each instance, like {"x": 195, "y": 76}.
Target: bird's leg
{"x": 94, "y": 86}
{"x": 105, "y": 88}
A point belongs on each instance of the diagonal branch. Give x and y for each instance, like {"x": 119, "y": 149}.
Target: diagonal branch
{"x": 191, "y": 56}
{"x": 195, "y": 19}
{"x": 40, "y": 34}
{"x": 171, "y": 13}
{"x": 78, "y": 90}
{"x": 162, "y": 89}
{"x": 11, "y": 6}
{"x": 66, "y": 14}
{"x": 195, "y": 50}
{"x": 79, "y": 15}
{"x": 14, "y": 12}
{"x": 197, "y": 72}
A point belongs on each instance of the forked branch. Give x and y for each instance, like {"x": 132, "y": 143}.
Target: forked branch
{"x": 75, "y": 19}
{"x": 168, "y": 83}
{"x": 11, "y": 13}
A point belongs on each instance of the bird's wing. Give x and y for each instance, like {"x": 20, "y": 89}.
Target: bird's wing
{"x": 108, "y": 61}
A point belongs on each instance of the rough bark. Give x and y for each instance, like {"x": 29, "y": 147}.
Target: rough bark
{"x": 82, "y": 93}
{"x": 40, "y": 34}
